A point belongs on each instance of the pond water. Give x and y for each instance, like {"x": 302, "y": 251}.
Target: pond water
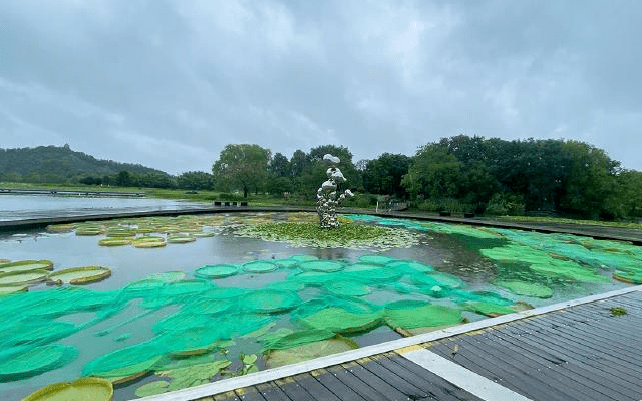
{"x": 19, "y": 207}
{"x": 239, "y": 297}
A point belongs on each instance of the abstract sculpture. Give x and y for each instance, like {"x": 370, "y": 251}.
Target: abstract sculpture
{"x": 327, "y": 200}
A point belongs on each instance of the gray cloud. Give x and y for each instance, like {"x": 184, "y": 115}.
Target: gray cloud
{"x": 169, "y": 83}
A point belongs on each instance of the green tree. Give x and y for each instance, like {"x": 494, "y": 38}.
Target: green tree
{"x": 279, "y": 165}
{"x": 196, "y": 180}
{"x": 433, "y": 173}
{"x": 242, "y": 167}
{"x": 383, "y": 175}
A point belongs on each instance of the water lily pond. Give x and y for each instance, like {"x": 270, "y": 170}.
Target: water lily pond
{"x": 158, "y": 304}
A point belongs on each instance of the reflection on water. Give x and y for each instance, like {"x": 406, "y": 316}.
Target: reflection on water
{"x": 19, "y": 207}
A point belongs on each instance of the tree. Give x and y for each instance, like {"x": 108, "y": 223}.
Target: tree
{"x": 383, "y": 175}
{"x": 196, "y": 180}
{"x": 242, "y": 167}
{"x": 433, "y": 173}
{"x": 279, "y": 166}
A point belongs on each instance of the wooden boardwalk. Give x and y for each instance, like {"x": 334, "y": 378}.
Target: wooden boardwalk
{"x": 577, "y": 350}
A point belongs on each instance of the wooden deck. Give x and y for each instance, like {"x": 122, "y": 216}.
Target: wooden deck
{"x": 577, "y": 350}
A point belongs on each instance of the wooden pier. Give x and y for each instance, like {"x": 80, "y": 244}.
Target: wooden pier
{"x": 578, "y": 350}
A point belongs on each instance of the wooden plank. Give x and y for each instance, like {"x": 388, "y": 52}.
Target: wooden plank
{"x": 249, "y": 394}
{"x": 271, "y": 392}
{"x": 571, "y": 340}
{"x": 434, "y": 386}
{"x": 567, "y": 375}
{"x": 357, "y": 385}
{"x": 293, "y": 390}
{"x": 491, "y": 367}
{"x": 379, "y": 372}
{"x": 595, "y": 371}
{"x": 317, "y": 390}
{"x": 335, "y": 385}
{"x": 383, "y": 385}
{"x": 227, "y": 396}
{"x": 536, "y": 376}
{"x": 571, "y": 344}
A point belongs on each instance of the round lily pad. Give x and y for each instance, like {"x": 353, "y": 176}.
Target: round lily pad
{"x": 149, "y": 242}
{"x": 114, "y": 241}
{"x": 322, "y": 265}
{"x": 180, "y": 239}
{"x": 271, "y": 301}
{"x": 259, "y": 267}
{"x": 86, "y": 388}
{"x": 347, "y": 288}
{"x": 216, "y": 271}
{"x": 79, "y": 275}
{"x": 376, "y": 259}
{"x": 10, "y": 289}
{"x": 525, "y": 288}
{"x": 23, "y": 277}
{"x": 24, "y": 265}
{"x": 631, "y": 277}
{"x": 26, "y": 361}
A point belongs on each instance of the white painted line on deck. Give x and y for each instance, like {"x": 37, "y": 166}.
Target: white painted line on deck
{"x": 475, "y": 384}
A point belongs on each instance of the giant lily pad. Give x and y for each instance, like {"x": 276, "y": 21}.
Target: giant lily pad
{"x": 79, "y": 275}
{"x": 632, "y": 277}
{"x": 26, "y": 361}
{"x": 86, "y": 388}
{"x": 114, "y": 241}
{"x": 322, "y": 265}
{"x": 525, "y": 288}
{"x": 259, "y": 267}
{"x": 23, "y": 277}
{"x": 180, "y": 238}
{"x": 306, "y": 352}
{"x": 216, "y": 271}
{"x": 413, "y": 314}
{"x": 24, "y": 265}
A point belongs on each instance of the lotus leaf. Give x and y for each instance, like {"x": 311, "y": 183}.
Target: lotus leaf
{"x": 26, "y": 361}
{"x": 23, "y": 277}
{"x": 129, "y": 362}
{"x": 488, "y": 309}
{"x": 271, "y": 301}
{"x": 259, "y": 267}
{"x": 414, "y": 314}
{"x": 342, "y": 322}
{"x": 216, "y": 271}
{"x": 322, "y": 265}
{"x": 180, "y": 239}
{"x": 24, "y": 265}
{"x": 152, "y": 388}
{"x": 114, "y": 241}
{"x": 306, "y": 352}
{"x": 86, "y": 388}
{"x": 79, "y": 275}
{"x": 347, "y": 288}
{"x": 520, "y": 287}
{"x": 631, "y": 277}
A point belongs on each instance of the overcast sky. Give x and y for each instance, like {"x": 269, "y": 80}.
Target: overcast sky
{"x": 169, "y": 83}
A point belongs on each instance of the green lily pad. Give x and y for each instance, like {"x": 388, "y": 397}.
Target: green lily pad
{"x": 23, "y": 277}
{"x": 347, "y": 288}
{"x": 24, "y": 265}
{"x": 306, "y": 352}
{"x": 414, "y": 314}
{"x": 79, "y": 275}
{"x": 526, "y": 288}
{"x": 259, "y": 267}
{"x": 488, "y": 309}
{"x": 26, "y": 361}
{"x": 114, "y": 241}
{"x": 271, "y": 301}
{"x": 86, "y": 388}
{"x": 153, "y": 388}
{"x": 11, "y": 289}
{"x": 322, "y": 266}
{"x": 180, "y": 239}
{"x": 632, "y": 277}
{"x": 216, "y": 271}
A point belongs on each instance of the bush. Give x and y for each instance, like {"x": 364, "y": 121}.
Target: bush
{"x": 362, "y": 201}
{"x": 226, "y": 196}
{"x": 506, "y": 205}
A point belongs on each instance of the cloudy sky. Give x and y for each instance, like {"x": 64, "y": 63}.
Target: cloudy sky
{"x": 169, "y": 83}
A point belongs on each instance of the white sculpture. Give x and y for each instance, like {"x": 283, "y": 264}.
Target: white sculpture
{"x": 327, "y": 200}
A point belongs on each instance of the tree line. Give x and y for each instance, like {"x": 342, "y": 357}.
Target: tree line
{"x": 457, "y": 174}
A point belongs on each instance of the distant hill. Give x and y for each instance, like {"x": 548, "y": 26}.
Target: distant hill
{"x": 59, "y": 165}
